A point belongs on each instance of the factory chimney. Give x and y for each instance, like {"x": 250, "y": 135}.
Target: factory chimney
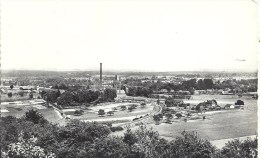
{"x": 100, "y": 73}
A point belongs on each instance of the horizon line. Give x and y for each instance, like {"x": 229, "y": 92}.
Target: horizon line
{"x": 145, "y": 71}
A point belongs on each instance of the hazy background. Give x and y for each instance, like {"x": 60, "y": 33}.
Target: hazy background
{"x": 129, "y": 35}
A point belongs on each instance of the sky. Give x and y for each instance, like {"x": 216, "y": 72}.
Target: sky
{"x": 145, "y": 35}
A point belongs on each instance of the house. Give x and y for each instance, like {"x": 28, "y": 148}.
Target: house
{"x": 164, "y": 91}
{"x": 172, "y": 91}
{"x": 226, "y": 93}
{"x": 3, "y": 90}
{"x": 178, "y": 102}
{"x": 133, "y": 99}
{"x": 211, "y": 103}
{"x": 207, "y": 105}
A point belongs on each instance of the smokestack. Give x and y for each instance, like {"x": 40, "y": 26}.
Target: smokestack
{"x": 100, "y": 73}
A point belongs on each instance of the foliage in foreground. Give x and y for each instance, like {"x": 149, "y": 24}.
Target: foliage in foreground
{"x": 29, "y": 136}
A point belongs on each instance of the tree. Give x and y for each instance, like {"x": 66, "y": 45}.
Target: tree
{"x": 158, "y": 101}
{"x": 65, "y": 98}
{"x": 123, "y": 107}
{"x": 201, "y": 84}
{"x": 178, "y": 115}
{"x": 240, "y": 149}
{"x": 110, "y": 113}
{"x": 143, "y": 105}
{"x": 10, "y": 94}
{"x": 190, "y": 145}
{"x": 21, "y": 93}
{"x": 31, "y": 95}
{"x": 168, "y": 117}
{"x": 101, "y": 112}
{"x": 26, "y": 148}
{"x": 208, "y": 83}
{"x": 129, "y": 137}
{"x": 189, "y": 83}
{"x": 239, "y": 102}
{"x": 169, "y": 102}
{"x": 134, "y": 106}
{"x": 78, "y": 112}
{"x": 58, "y": 93}
{"x": 11, "y": 86}
{"x": 130, "y": 108}
{"x": 110, "y": 94}
{"x": 35, "y": 117}
{"x": 110, "y": 147}
{"x": 157, "y": 119}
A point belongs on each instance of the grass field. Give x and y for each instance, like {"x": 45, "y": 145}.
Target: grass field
{"x": 221, "y": 125}
{"x": 92, "y": 113}
{"x": 18, "y": 109}
{"x": 15, "y": 97}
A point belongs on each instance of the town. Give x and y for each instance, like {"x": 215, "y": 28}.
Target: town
{"x": 179, "y": 101}
{"x": 129, "y": 79}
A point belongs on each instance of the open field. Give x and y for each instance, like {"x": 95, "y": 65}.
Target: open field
{"x": 217, "y": 125}
{"x": 18, "y": 108}
{"x": 92, "y": 113}
{"x": 16, "y": 97}
{"x": 5, "y": 98}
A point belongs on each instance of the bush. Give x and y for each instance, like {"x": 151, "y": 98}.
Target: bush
{"x": 156, "y": 118}
{"x": 110, "y": 113}
{"x": 130, "y": 108}
{"x": 35, "y": 117}
{"x": 101, "y": 112}
{"x": 31, "y": 96}
{"x": 135, "y": 119}
{"x": 190, "y": 145}
{"x": 178, "y": 115}
{"x": 237, "y": 148}
{"x": 10, "y": 94}
{"x": 239, "y": 102}
{"x": 78, "y": 112}
{"x": 21, "y": 93}
{"x": 123, "y": 107}
{"x": 26, "y": 148}
{"x": 118, "y": 128}
{"x": 143, "y": 105}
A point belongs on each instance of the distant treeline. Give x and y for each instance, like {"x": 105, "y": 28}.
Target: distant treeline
{"x": 78, "y": 73}
{"x": 76, "y": 97}
{"x": 135, "y": 87}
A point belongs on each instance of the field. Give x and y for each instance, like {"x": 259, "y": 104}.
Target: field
{"x": 18, "y": 108}
{"x": 217, "y": 127}
{"x": 5, "y": 98}
{"x": 226, "y": 124}
{"x": 15, "y": 97}
{"x": 91, "y": 113}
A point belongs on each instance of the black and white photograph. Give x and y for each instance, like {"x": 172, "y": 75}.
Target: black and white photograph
{"x": 129, "y": 78}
